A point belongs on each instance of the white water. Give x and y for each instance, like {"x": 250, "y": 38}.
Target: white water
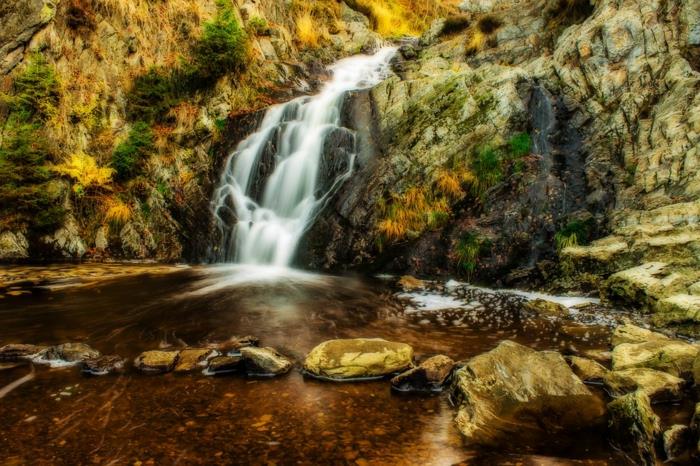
{"x": 263, "y": 223}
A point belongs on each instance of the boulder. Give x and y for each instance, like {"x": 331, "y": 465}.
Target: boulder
{"x": 70, "y": 353}
{"x": 678, "y": 443}
{"x": 103, "y": 365}
{"x": 15, "y": 352}
{"x": 629, "y": 333}
{"x": 358, "y": 358}
{"x": 13, "y": 246}
{"x": 546, "y": 308}
{"x": 429, "y": 376}
{"x": 410, "y": 283}
{"x": 658, "y": 386}
{"x": 598, "y": 355}
{"x": 220, "y": 365}
{"x": 192, "y": 358}
{"x": 587, "y": 369}
{"x": 634, "y": 427}
{"x": 514, "y": 393}
{"x": 264, "y": 361}
{"x": 156, "y": 362}
{"x": 678, "y": 309}
{"x": 672, "y": 356}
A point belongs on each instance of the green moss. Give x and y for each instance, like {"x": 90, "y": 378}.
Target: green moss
{"x": 25, "y": 152}
{"x": 129, "y": 155}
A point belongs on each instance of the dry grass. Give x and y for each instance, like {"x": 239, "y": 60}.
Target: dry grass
{"x": 116, "y": 211}
{"x": 449, "y": 184}
{"x": 393, "y": 18}
{"x": 309, "y": 31}
{"x": 409, "y": 214}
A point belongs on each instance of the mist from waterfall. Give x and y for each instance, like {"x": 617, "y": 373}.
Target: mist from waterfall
{"x": 273, "y": 185}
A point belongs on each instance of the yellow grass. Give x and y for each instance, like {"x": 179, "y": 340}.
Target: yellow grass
{"x": 116, "y": 211}
{"x": 308, "y": 31}
{"x": 449, "y": 184}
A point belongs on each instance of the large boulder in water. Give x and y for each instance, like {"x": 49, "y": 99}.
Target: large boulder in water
{"x": 516, "y": 393}
{"x": 358, "y": 358}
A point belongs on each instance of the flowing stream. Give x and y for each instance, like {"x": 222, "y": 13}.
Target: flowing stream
{"x": 274, "y": 183}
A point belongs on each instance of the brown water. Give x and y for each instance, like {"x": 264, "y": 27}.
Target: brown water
{"x": 62, "y": 417}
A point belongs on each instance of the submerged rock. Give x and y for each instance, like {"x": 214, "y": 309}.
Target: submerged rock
{"x": 587, "y": 369}
{"x": 15, "y": 352}
{"x": 358, "y": 358}
{"x": 516, "y": 393}
{"x": 545, "y": 308}
{"x": 672, "y": 356}
{"x": 156, "y": 362}
{"x": 429, "y": 376}
{"x": 410, "y": 283}
{"x": 629, "y": 333}
{"x": 678, "y": 442}
{"x": 192, "y": 358}
{"x": 70, "y": 353}
{"x": 634, "y": 426}
{"x": 103, "y": 365}
{"x": 658, "y": 386}
{"x": 264, "y": 361}
{"x": 220, "y": 365}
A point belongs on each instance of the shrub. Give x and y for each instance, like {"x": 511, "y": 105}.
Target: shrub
{"x": 520, "y": 145}
{"x": 308, "y": 33}
{"x": 83, "y": 169}
{"x": 153, "y": 94}
{"x": 127, "y": 157}
{"x": 222, "y": 48}
{"x": 487, "y": 170}
{"x": 468, "y": 250}
{"x": 117, "y": 212}
{"x": 36, "y": 91}
{"x": 577, "y": 232}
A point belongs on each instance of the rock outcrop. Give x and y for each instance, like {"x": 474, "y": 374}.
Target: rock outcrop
{"x": 516, "y": 394}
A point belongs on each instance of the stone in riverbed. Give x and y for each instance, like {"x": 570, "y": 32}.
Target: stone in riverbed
{"x": 429, "y": 376}
{"x": 516, "y": 393}
{"x": 629, "y": 333}
{"x": 69, "y": 353}
{"x": 234, "y": 344}
{"x": 220, "y": 365}
{"x": 264, "y": 361}
{"x": 658, "y": 386}
{"x": 16, "y": 352}
{"x": 545, "y": 308}
{"x": 358, "y": 358}
{"x": 410, "y": 283}
{"x": 156, "y": 362}
{"x": 103, "y": 365}
{"x": 634, "y": 426}
{"x": 672, "y": 356}
{"x": 678, "y": 443}
{"x": 193, "y": 358}
{"x": 587, "y": 369}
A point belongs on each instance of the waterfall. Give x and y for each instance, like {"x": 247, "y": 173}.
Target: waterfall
{"x": 278, "y": 178}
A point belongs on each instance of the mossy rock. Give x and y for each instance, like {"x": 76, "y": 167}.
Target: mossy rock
{"x": 634, "y": 427}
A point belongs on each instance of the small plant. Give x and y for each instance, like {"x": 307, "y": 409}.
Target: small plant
{"x": 520, "y": 145}
{"x": 487, "y": 170}
{"x": 449, "y": 184}
{"x": 259, "y": 26}
{"x": 575, "y": 233}
{"x": 307, "y": 30}
{"x": 127, "y": 157}
{"x": 117, "y": 212}
{"x": 468, "y": 250}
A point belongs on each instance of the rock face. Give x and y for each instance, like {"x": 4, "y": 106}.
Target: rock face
{"x": 264, "y": 361}
{"x": 674, "y": 357}
{"x": 156, "y": 362}
{"x": 514, "y": 393}
{"x": 634, "y": 427}
{"x": 13, "y": 245}
{"x": 546, "y": 308}
{"x": 358, "y": 358}
{"x": 429, "y": 376}
{"x": 21, "y": 19}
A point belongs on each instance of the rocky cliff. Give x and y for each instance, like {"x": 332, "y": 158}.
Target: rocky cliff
{"x": 520, "y": 135}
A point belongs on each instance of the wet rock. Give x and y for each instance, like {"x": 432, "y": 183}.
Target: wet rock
{"x": 598, "y": 355}
{"x": 516, "y": 393}
{"x": 70, "y": 353}
{"x": 696, "y": 370}
{"x": 13, "y": 246}
{"x": 634, "y": 426}
{"x": 103, "y": 365}
{"x": 678, "y": 442}
{"x": 678, "y": 308}
{"x": 629, "y": 333}
{"x": 19, "y": 352}
{"x": 192, "y": 358}
{"x": 587, "y": 369}
{"x": 409, "y": 283}
{"x": 429, "y": 376}
{"x": 156, "y": 362}
{"x": 234, "y": 344}
{"x": 546, "y": 308}
{"x": 672, "y": 356}
{"x": 264, "y": 361}
{"x": 220, "y": 365}
{"x": 658, "y": 386}
{"x": 358, "y": 358}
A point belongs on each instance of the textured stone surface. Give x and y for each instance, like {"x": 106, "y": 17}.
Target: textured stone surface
{"x": 634, "y": 427}
{"x": 193, "y": 358}
{"x": 20, "y": 20}
{"x": 430, "y": 375}
{"x": 587, "y": 369}
{"x": 358, "y": 358}
{"x": 629, "y": 333}
{"x": 264, "y": 361}
{"x": 658, "y": 386}
{"x": 514, "y": 393}
{"x": 13, "y": 245}
{"x": 156, "y": 362}
{"x": 70, "y": 352}
{"x": 672, "y": 356}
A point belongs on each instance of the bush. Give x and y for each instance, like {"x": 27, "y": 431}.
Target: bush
{"x": 25, "y": 197}
{"x": 153, "y": 94}
{"x": 468, "y": 250}
{"x": 222, "y": 48}
{"x": 487, "y": 170}
{"x": 128, "y": 156}
{"x": 577, "y": 232}
{"x": 520, "y": 145}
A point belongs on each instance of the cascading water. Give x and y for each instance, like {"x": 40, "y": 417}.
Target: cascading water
{"x": 273, "y": 186}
